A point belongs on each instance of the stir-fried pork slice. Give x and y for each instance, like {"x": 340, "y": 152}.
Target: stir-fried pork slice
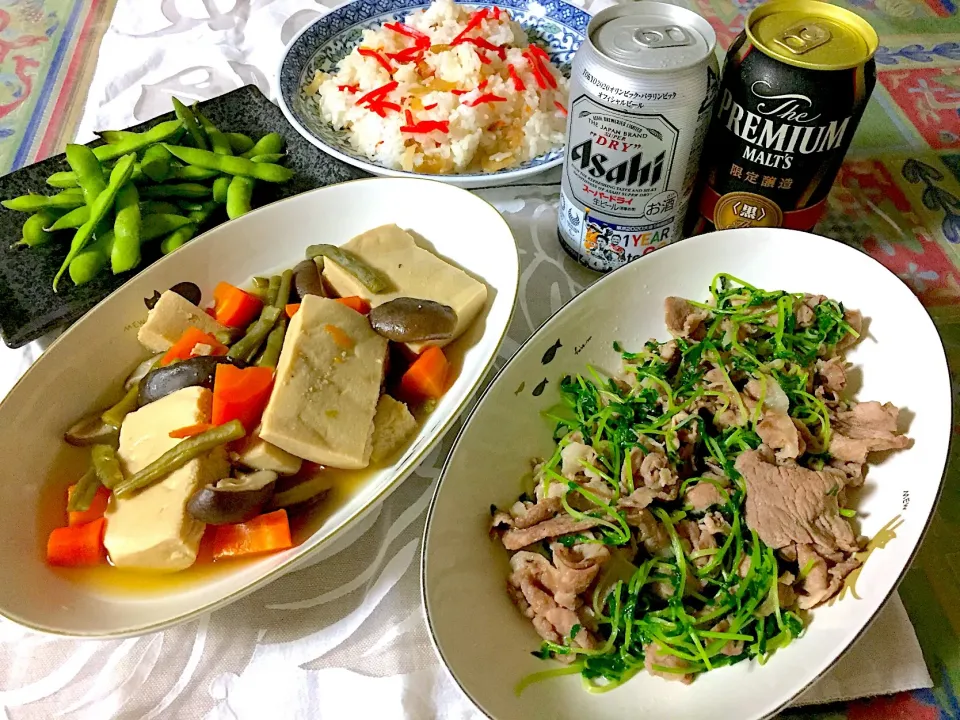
{"x": 527, "y": 514}
{"x": 733, "y": 647}
{"x": 650, "y": 532}
{"x": 804, "y": 311}
{"x": 832, "y": 374}
{"x": 822, "y": 579}
{"x": 515, "y": 538}
{"x": 652, "y": 470}
{"x": 659, "y": 663}
{"x": 789, "y": 504}
{"x": 703, "y": 495}
{"x": 682, "y": 318}
{"x": 579, "y": 460}
{"x": 779, "y": 432}
{"x": 698, "y": 539}
{"x": 715, "y": 524}
{"x": 854, "y": 319}
{"x": 865, "y": 428}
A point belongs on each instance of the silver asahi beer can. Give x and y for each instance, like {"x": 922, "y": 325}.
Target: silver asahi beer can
{"x": 642, "y": 90}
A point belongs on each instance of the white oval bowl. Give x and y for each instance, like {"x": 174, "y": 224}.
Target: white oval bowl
{"x": 86, "y": 365}
{"x": 479, "y": 634}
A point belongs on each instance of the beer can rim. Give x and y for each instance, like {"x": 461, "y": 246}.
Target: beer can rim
{"x": 850, "y": 20}
{"x": 691, "y": 21}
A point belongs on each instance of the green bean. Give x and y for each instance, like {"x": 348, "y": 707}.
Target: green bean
{"x": 219, "y": 142}
{"x": 106, "y": 465}
{"x": 115, "y": 415}
{"x": 283, "y": 291}
{"x": 34, "y": 232}
{"x": 182, "y": 190}
{"x": 220, "y": 187}
{"x": 203, "y": 213}
{"x": 239, "y": 196}
{"x": 125, "y": 254}
{"x": 273, "y": 288}
{"x": 267, "y": 172}
{"x": 83, "y": 492}
{"x": 66, "y": 200}
{"x": 269, "y": 143}
{"x": 190, "y": 123}
{"x": 158, "y": 133}
{"x": 239, "y": 142}
{"x": 271, "y": 351}
{"x": 179, "y": 455}
{"x": 73, "y": 219}
{"x": 161, "y": 224}
{"x": 228, "y": 336}
{"x": 158, "y": 207}
{"x": 261, "y": 282}
{"x": 92, "y": 259}
{"x": 63, "y": 179}
{"x": 87, "y": 168}
{"x": 192, "y": 173}
{"x": 369, "y": 277}
{"x": 156, "y": 163}
{"x": 114, "y": 136}
{"x": 177, "y": 238}
{"x": 118, "y": 176}
{"x": 247, "y": 346}
{"x": 268, "y": 158}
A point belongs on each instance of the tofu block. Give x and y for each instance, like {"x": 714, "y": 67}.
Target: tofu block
{"x": 152, "y": 530}
{"x": 327, "y": 386}
{"x": 413, "y": 272}
{"x": 170, "y": 317}
{"x": 257, "y": 454}
{"x": 392, "y": 425}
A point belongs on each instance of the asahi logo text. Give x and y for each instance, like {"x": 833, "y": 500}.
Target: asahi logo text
{"x": 779, "y": 126}
{"x": 632, "y": 172}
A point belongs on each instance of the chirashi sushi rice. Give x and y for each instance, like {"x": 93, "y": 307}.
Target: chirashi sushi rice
{"x": 451, "y": 89}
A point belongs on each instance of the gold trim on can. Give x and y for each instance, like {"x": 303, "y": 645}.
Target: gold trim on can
{"x": 811, "y": 34}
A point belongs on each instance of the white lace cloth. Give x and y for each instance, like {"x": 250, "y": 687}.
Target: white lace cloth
{"x": 344, "y": 635}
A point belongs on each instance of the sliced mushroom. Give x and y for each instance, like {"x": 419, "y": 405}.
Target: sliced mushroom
{"x": 92, "y": 431}
{"x": 140, "y": 372}
{"x": 309, "y": 491}
{"x": 188, "y": 373}
{"x": 233, "y": 500}
{"x": 307, "y": 280}
{"x": 413, "y": 320}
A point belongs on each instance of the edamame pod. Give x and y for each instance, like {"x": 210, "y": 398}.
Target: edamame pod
{"x": 218, "y": 141}
{"x": 156, "y": 163}
{"x": 220, "y": 186}
{"x": 191, "y": 173}
{"x": 114, "y": 136}
{"x": 268, "y": 158}
{"x": 34, "y": 232}
{"x": 63, "y": 179}
{"x": 157, "y": 134}
{"x": 190, "y": 123}
{"x": 267, "y": 172}
{"x": 269, "y": 143}
{"x": 88, "y": 171}
{"x": 177, "y": 238}
{"x": 239, "y": 196}
{"x": 239, "y": 142}
{"x": 125, "y": 254}
{"x": 73, "y": 219}
{"x": 67, "y": 200}
{"x": 203, "y": 213}
{"x": 181, "y": 190}
{"x": 156, "y": 226}
{"x": 158, "y": 207}
{"x": 90, "y": 261}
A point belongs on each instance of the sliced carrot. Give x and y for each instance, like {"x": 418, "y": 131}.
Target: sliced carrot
{"x": 427, "y": 376}
{"x": 355, "y": 302}
{"x": 77, "y": 546}
{"x": 185, "y": 347}
{"x": 234, "y": 307}
{"x": 96, "y": 510}
{"x": 291, "y": 309}
{"x": 241, "y": 394}
{"x": 343, "y": 341}
{"x": 191, "y": 430}
{"x": 263, "y": 534}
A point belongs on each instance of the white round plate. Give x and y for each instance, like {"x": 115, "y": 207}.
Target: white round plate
{"x": 84, "y": 368}
{"x": 557, "y": 26}
{"x": 482, "y": 638}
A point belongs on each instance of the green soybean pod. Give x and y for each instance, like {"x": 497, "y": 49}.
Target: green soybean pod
{"x": 63, "y": 179}
{"x": 34, "y": 232}
{"x": 268, "y": 158}
{"x": 67, "y": 200}
{"x": 220, "y": 186}
{"x": 177, "y": 238}
{"x": 158, "y": 133}
{"x": 219, "y": 142}
{"x": 114, "y": 136}
{"x": 239, "y": 195}
{"x": 158, "y": 207}
{"x": 190, "y": 123}
{"x": 157, "y": 226}
{"x": 181, "y": 190}
{"x": 87, "y": 168}
{"x": 269, "y": 143}
{"x": 200, "y": 215}
{"x": 90, "y": 261}
{"x": 156, "y": 163}
{"x": 231, "y": 165}
{"x": 125, "y": 254}
{"x": 73, "y": 219}
{"x": 239, "y": 142}
{"x": 192, "y": 173}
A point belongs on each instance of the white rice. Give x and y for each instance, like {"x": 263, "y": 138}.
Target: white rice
{"x": 482, "y": 138}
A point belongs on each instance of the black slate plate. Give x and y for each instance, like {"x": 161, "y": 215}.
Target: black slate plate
{"x": 28, "y": 306}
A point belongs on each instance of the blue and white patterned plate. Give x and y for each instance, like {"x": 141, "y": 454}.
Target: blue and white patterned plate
{"x": 556, "y": 25}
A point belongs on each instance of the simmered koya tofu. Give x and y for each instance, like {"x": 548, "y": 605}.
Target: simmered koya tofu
{"x": 392, "y": 425}
{"x": 257, "y": 454}
{"x": 413, "y": 272}
{"x": 171, "y": 316}
{"x": 152, "y": 530}
{"x": 327, "y": 386}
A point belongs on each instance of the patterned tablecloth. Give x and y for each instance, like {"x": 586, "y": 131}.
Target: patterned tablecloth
{"x": 897, "y": 198}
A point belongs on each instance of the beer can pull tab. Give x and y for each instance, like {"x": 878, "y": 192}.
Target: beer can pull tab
{"x": 662, "y": 36}
{"x": 803, "y": 37}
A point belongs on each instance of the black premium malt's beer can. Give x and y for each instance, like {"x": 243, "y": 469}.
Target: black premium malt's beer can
{"x": 794, "y": 86}
{"x": 642, "y": 89}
